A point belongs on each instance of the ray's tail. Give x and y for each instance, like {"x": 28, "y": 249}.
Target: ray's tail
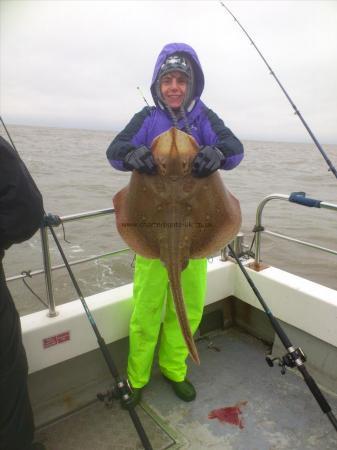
{"x": 174, "y": 273}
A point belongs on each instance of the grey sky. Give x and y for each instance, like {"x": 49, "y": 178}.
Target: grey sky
{"x": 77, "y": 63}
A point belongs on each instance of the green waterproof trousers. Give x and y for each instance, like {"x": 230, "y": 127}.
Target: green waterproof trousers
{"x": 151, "y": 289}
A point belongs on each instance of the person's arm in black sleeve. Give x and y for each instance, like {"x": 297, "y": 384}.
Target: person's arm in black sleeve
{"x": 222, "y": 149}
{"x": 226, "y": 141}
{"x": 21, "y": 205}
{"x": 127, "y": 151}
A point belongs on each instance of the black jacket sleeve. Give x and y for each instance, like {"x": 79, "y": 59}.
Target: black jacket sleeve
{"x": 21, "y": 205}
{"x": 122, "y": 144}
{"x": 227, "y": 142}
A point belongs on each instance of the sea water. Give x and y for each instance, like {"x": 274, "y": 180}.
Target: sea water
{"x": 73, "y": 174}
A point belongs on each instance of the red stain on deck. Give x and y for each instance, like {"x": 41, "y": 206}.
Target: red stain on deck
{"x": 230, "y": 414}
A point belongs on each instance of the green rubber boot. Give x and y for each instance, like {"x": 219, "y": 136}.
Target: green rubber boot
{"x": 134, "y": 399}
{"x": 183, "y": 389}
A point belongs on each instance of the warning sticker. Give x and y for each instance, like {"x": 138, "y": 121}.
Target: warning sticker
{"x": 57, "y": 339}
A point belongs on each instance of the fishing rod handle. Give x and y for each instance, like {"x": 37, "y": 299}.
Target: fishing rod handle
{"x": 140, "y": 429}
{"x": 316, "y": 392}
{"x": 106, "y": 354}
{"x": 124, "y": 389}
{"x": 332, "y": 419}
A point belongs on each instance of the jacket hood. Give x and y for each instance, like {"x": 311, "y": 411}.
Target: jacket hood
{"x": 171, "y": 49}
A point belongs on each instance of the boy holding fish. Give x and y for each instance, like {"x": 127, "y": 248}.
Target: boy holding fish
{"x": 176, "y": 87}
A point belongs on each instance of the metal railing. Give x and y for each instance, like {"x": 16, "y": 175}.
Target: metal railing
{"x": 48, "y": 268}
{"x": 297, "y": 198}
{"x": 46, "y": 254}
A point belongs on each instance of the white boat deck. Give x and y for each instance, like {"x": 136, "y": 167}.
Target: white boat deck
{"x": 278, "y": 412}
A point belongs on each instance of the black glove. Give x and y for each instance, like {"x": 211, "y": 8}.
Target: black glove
{"x": 140, "y": 159}
{"x": 207, "y": 161}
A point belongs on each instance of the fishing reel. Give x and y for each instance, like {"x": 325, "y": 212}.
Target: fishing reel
{"x": 107, "y": 397}
{"x": 295, "y": 357}
{"x": 119, "y": 391}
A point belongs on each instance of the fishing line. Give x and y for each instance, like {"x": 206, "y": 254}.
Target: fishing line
{"x": 142, "y": 95}
{"x": 27, "y": 273}
{"x": 122, "y": 385}
{"x": 297, "y": 112}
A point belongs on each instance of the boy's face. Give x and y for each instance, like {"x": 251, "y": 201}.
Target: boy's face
{"x": 173, "y": 88}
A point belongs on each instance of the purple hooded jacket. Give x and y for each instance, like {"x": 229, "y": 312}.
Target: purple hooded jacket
{"x": 206, "y": 127}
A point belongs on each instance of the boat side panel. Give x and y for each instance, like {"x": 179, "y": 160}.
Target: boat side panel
{"x": 49, "y": 341}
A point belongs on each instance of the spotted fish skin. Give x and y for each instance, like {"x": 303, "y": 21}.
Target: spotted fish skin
{"x": 174, "y": 216}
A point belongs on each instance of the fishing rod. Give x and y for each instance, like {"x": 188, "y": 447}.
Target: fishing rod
{"x": 142, "y": 95}
{"x": 294, "y": 356}
{"x": 122, "y": 386}
{"x": 297, "y": 112}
